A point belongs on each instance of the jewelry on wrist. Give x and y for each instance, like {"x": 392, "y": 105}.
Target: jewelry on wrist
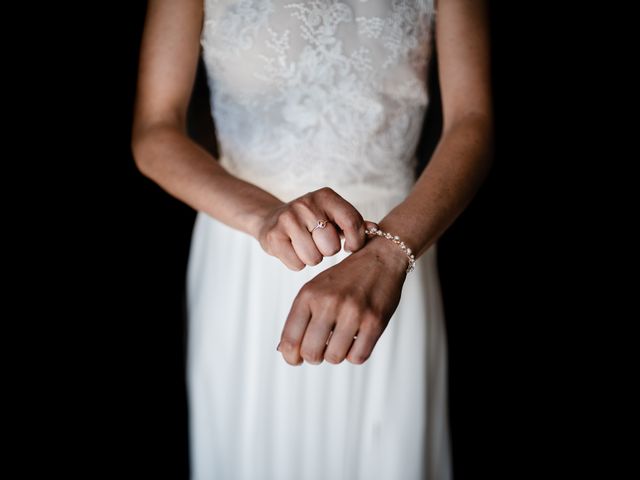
{"x": 395, "y": 239}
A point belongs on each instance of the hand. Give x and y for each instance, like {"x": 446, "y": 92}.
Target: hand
{"x": 285, "y": 229}
{"x": 355, "y": 297}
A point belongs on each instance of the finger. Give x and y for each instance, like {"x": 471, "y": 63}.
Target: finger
{"x": 362, "y": 346}
{"x": 294, "y": 329}
{"x": 347, "y": 218}
{"x": 302, "y": 242}
{"x": 368, "y": 225}
{"x": 340, "y": 340}
{"x": 327, "y": 240}
{"x": 316, "y": 336}
{"x": 285, "y": 252}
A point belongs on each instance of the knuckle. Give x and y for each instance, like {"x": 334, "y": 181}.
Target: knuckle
{"x": 306, "y": 292}
{"x": 292, "y": 362}
{"x": 286, "y": 344}
{"x": 351, "y": 305}
{"x": 371, "y": 319}
{"x": 269, "y": 236}
{"x": 307, "y": 197}
{"x": 353, "y": 221}
{"x": 358, "y": 358}
{"x": 372, "y": 323}
{"x": 292, "y": 264}
{"x": 333, "y": 358}
{"x": 273, "y": 237}
{"x": 287, "y": 217}
{"x": 304, "y": 203}
{"x": 316, "y": 260}
{"x": 326, "y": 191}
{"x": 333, "y": 298}
{"x": 353, "y": 301}
{"x": 310, "y": 356}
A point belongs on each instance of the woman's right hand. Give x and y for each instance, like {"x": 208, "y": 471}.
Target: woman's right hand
{"x": 285, "y": 231}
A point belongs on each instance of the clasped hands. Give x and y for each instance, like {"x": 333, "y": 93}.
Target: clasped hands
{"x": 354, "y": 298}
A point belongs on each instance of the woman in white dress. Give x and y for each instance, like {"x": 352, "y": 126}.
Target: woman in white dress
{"x": 318, "y": 107}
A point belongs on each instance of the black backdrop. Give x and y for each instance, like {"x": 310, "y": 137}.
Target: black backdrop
{"x": 131, "y": 240}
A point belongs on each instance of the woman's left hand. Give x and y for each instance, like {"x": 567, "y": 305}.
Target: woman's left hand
{"x": 356, "y": 297}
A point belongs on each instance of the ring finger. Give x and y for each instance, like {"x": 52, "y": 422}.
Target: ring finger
{"x": 316, "y": 335}
{"x": 327, "y": 239}
{"x": 304, "y": 245}
{"x": 340, "y": 341}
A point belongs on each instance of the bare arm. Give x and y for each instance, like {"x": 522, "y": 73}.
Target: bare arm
{"x": 165, "y": 153}
{"x": 356, "y": 298}
{"x": 161, "y": 147}
{"x": 464, "y": 153}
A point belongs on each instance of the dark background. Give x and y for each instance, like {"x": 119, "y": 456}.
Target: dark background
{"x": 125, "y": 327}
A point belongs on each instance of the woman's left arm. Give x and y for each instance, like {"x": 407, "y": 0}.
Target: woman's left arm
{"x": 360, "y": 294}
{"x": 464, "y": 154}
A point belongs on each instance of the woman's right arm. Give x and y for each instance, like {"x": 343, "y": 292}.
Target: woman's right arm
{"x": 162, "y": 149}
{"x": 165, "y": 153}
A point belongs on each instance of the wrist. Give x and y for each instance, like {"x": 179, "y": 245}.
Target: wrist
{"x": 387, "y": 253}
{"x": 254, "y": 220}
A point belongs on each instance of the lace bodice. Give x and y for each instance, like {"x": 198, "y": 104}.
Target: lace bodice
{"x": 318, "y": 92}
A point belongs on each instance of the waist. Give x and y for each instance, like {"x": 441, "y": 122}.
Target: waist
{"x": 288, "y": 186}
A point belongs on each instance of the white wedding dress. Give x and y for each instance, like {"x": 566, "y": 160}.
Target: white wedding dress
{"x": 304, "y": 95}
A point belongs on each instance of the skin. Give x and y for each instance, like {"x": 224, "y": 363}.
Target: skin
{"x": 165, "y": 153}
{"x": 358, "y": 295}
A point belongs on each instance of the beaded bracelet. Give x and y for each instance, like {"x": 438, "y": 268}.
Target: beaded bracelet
{"x": 395, "y": 239}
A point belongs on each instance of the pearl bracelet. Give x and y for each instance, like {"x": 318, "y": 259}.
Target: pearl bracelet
{"x": 395, "y": 239}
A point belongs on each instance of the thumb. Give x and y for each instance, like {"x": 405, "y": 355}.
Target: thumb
{"x": 368, "y": 224}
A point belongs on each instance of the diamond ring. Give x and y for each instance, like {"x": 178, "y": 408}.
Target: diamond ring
{"x": 320, "y": 224}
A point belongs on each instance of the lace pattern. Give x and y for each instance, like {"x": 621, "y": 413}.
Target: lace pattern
{"x": 319, "y": 92}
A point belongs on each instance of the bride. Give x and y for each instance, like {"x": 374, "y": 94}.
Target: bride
{"x": 314, "y": 241}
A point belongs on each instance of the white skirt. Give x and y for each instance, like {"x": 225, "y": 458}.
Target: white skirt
{"x": 255, "y": 417}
